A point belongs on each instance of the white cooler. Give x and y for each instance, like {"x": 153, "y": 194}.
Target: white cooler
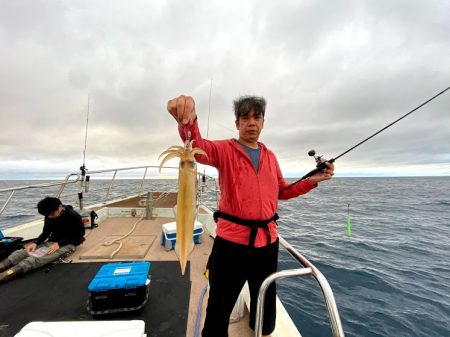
{"x": 169, "y": 234}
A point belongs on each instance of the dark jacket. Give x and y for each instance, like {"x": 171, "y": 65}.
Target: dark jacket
{"x": 65, "y": 229}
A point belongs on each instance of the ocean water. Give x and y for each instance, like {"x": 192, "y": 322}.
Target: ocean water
{"x": 390, "y": 278}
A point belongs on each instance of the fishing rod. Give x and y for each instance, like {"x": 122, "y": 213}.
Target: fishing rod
{"x": 86, "y": 132}
{"x": 321, "y": 162}
{"x": 84, "y": 178}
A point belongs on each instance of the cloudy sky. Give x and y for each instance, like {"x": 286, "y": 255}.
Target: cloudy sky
{"x": 333, "y": 72}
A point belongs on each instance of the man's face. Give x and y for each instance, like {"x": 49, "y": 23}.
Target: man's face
{"x": 57, "y": 213}
{"x": 250, "y": 126}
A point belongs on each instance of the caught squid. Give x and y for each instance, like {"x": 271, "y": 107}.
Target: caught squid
{"x": 187, "y": 197}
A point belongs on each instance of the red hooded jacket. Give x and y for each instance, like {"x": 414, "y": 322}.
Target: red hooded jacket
{"x": 245, "y": 193}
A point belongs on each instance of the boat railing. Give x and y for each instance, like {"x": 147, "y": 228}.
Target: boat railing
{"x": 84, "y": 179}
{"x": 309, "y": 269}
{"x": 13, "y": 190}
{"x": 115, "y": 171}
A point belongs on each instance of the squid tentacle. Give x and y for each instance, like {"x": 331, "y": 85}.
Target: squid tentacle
{"x": 198, "y": 151}
{"x": 176, "y": 147}
{"x": 170, "y": 151}
{"x": 168, "y": 157}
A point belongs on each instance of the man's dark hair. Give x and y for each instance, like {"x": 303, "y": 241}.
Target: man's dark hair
{"x": 244, "y": 104}
{"x": 48, "y": 205}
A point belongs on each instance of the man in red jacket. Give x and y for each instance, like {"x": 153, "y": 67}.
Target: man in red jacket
{"x": 251, "y": 183}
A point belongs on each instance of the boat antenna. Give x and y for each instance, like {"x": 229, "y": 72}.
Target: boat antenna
{"x": 321, "y": 163}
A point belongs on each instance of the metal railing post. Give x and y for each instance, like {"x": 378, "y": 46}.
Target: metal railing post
{"x": 7, "y": 201}
{"x": 143, "y": 180}
{"x": 333, "y": 314}
{"x": 66, "y": 181}
{"x": 110, "y": 185}
{"x": 263, "y": 289}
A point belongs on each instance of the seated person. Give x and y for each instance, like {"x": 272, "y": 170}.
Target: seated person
{"x": 63, "y": 230}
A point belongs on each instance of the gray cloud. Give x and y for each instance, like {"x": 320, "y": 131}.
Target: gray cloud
{"x": 333, "y": 73}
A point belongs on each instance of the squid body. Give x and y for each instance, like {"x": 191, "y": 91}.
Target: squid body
{"x": 186, "y": 210}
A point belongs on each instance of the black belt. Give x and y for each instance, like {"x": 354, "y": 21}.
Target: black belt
{"x": 253, "y": 224}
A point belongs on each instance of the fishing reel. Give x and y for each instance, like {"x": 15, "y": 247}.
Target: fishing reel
{"x": 320, "y": 161}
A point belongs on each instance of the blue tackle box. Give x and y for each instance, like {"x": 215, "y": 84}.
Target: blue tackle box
{"x": 169, "y": 234}
{"x": 119, "y": 287}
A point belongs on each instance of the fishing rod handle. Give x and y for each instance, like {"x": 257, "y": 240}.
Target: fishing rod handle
{"x": 320, "y": 168}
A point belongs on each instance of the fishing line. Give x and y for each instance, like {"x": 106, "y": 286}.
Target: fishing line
{"x": 321, "y": 163}
{"x": 207, "y": 136}
{"x": 209, "y": 109}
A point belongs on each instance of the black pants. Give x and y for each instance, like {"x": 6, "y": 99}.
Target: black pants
{"x": 232, "y": 264}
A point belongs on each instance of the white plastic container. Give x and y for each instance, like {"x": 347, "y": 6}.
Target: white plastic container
{"x": 169, "y": 234}
{"x": 135, "y": 328}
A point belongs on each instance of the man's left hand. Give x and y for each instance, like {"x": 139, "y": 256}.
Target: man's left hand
{"x": 53, "y": 248}
{"x": 321, "y": 176}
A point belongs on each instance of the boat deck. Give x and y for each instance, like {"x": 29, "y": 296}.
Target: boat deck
{"x": 171, "y": 295}
{"x": 141, "y": 241}
{"x": 144, "y": 244}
